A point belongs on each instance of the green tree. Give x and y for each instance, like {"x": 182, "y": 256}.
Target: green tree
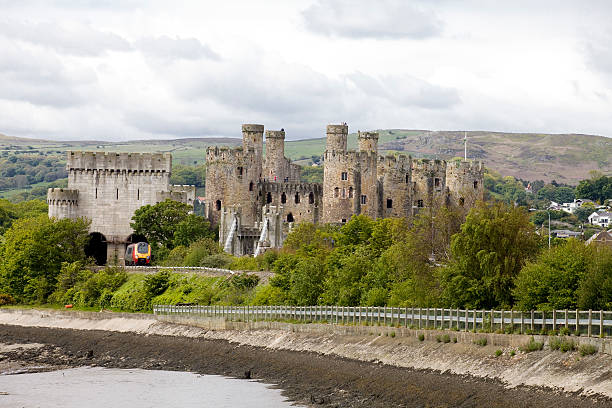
{"x": 597, "y": 188}
{"x": 307, "y": 282}
{"x": 552, "y": 281}
{"x": 493, "y": 245}
{"x": 192, "y": 229}
{"x": 595, "y": 290}
{"x": 159, "y": 222}
{"x": 33, "y": 252}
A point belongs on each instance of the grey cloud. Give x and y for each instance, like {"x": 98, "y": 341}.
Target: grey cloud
{"x": 371, "y": 19}
{"x": 407, "y": 90}
{"x": 165, "y": 47}
{"x": 81, "y": 40}
{"x": 152, "y": 122}
{"x": 599, "y": 53}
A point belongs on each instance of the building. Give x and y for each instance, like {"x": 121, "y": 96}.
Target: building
{"x": 256, "y": 199}
{"x": 107, "y": 188}
{"x": 601, "y": 238}
{"x": 602, "y": 218}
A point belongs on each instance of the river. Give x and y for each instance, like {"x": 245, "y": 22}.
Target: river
{"x": 101, "y": 387}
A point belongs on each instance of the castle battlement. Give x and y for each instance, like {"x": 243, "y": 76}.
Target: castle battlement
{"x": 56, "y": 196}
{"x": 251, "y": 127}
{"x": 466, "y": 166}
{"x": 429, "y": 165}
{"x": 230, "y": 155}
{"x": 150, "y": 162}
{"x": 290, "y": 187}
{"x": 275, "y": 134}
{"x": 399, "y": 161}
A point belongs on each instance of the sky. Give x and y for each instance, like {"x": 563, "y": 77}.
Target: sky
{"x": 152, "y": 69}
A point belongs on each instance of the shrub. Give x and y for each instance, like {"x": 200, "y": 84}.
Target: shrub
{"x": 498, "y": 353}
{"x": 446, "y": 338}
{"x": 512, "y": 353}
{"x": 421, "y": 337}
{"x": 482, "y": 341}
{"x": 454, "y": 339}
{"x": 392, "y": 334}
{"x": 532, "y": 345}
{"x": 439, "y": 339}
{"x": 6, "y": 299}
{"x": 577, "y": 333}
{"x": 564, "y": 331}
{"x": 562, "y": 345}
{"x": 587, "y": 349}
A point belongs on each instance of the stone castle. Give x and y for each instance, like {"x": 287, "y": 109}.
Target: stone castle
{"x": 107, "y": 188}
{"x": 256, "y": 199}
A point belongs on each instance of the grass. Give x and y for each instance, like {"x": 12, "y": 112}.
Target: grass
{"x": 532, "y": 345}
{"x": 587, "y": 349}
{"x": 498, "y": 352}
{"x": 421, "y": 337}
{"x": 482, "y": 341}
{"x": 561, "y": 344}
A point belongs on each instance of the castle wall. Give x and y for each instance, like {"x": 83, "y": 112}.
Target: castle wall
{"x": 396, "y": 180}
{"x": 465, "y": 181}
{"x": 300, "y": 202}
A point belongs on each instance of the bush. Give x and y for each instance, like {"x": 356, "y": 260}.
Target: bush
{"x": 564, "y": 331}
{"x": 132, "y": 296}
{"x": 532, "y": 345}
{"x": 6, "y": 299}
{"x": 481, "y": 341}
{"x": 587, "y": 349}
{"x": 512, "y": 353}
{"x": 392, "y": 334}
{"x": 562, "y": 345}
{"x": 454, "y": 339}
{"x": 446, "y": 338}
{"x": 421, "y": 337}
{"x": 498, "y": 353}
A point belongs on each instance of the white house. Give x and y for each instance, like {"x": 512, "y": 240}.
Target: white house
{"x": 601, "y": 218}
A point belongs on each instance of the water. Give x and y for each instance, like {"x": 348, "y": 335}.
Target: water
{"x": 101, "y": 387}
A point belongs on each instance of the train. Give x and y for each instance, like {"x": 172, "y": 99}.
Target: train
{"x": 138, "y": 254}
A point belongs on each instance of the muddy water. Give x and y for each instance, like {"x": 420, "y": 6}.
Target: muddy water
{"x": 102, "y": 387}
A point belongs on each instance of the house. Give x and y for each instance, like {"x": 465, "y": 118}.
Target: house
{"x": 602, "y": 218}
{"x": 565, "y": 234}
{"x": 601, "y": 238}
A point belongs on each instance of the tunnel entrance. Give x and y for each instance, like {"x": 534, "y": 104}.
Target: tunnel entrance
{"x": 136, "y": 238}
{"x": 96, "y": 248}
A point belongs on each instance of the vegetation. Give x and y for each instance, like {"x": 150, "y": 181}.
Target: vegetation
{"x": 532, "y": 345}
{"x": 587, "y": 349}
{"x": 598, "y": 188}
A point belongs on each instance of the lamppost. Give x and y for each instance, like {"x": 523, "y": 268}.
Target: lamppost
{"x": 548, "y": 229}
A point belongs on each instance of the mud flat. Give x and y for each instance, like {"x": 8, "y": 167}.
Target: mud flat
{"x": 318, "y": 370}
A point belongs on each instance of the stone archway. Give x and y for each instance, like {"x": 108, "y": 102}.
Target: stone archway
{"x": 136, "y": 238}
{"x": 97, "y": 248}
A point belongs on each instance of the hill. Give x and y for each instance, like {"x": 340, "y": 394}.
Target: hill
{"x": 566, "y": 158}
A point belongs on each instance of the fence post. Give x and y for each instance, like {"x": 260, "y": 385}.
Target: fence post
{"x": 590, "y": 322}
{"x": 420, "y": 314}
{"x": 406, "y": 317}
{"x": 492, "y": 319}
{"x": 502, "y": 321}
{"x": 522, "y": 323}
{"x": 554, "y": 319}
{"x": 601, "y": 330}
{"x": 512, "y": 321}
{"x": 532, "y": 321}
{"x": 577, "y": 321}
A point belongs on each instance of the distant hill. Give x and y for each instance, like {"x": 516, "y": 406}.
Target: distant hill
{"x": 566, "y": 158}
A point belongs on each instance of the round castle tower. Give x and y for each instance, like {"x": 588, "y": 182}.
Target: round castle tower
{"x": 275, "y": 156}
{"x": 336, "y": 138}
{"x": 367, "y": 141}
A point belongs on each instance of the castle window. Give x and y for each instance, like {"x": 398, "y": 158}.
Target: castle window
{"x": 437, "y": 182}
{"x": 350, "y": 192}
{"x": 251, "y": 186}
{"x": 96, "y": 193}
{"x": 310, "y": 198}
{"x": 344, "y": 220}
{"x": 389, "y": 203}
{"x": 290, "y": 217}
{"x": 297, "y": 198}
{"x": 336, "y": 192}
{"x": 286, "y": 179}
{"x": 461, "y": 201}
{"x": 420, "y": 203}
{"x": 283, "y": 198}
{"x": 475, "y": 185}
{"x": 344, "y": 193}
{"x": 218, "y": 205}
{"x": 407, "y": 178}
{"x": 117, "y": 194}
{"x": 414, "y": 185}
{"x": 138, "y": 194}
{"x": 364, "y": 199}
{"x": 269, "y": 198}
{"x": 344, "y": 175}
{"x": 240, "y": 171}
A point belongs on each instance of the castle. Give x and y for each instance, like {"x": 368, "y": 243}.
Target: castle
{"x": 107, "y": 188}
{"x": 256, "y": 199}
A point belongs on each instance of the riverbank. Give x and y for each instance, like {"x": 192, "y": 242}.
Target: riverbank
{"x": 332, "y": 369}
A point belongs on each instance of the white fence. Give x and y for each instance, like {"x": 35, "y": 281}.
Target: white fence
{"x": 583, "y": 322}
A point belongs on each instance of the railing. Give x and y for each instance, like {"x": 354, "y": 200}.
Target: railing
{"x": 578, "y": 322}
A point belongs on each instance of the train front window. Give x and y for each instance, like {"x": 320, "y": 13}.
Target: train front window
{"x": 143, "y": 248}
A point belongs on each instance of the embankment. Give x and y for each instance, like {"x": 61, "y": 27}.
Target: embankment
{"x": 325, "y": 363}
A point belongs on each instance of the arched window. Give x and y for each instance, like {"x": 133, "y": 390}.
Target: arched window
{"x": 283, "y": 198}
{"x": 311, "y": 198}
{"x": 218, "y": 205}
{"x": 336, "y": 192}
{"x": 269, "y": 198}
{"x": 407, "y": 178}
{"x": 297, "y": 198}
{"x": 251, "y": 186}
{"x": 389, "y": 203}
{"x": 350, "y": 192}
{"x": 475, "y": 185}
{"x": 461, "y": 201}
{"x": 290, "y": 217}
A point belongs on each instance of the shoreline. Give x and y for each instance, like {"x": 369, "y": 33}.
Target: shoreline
{"x": 322, "y": 370}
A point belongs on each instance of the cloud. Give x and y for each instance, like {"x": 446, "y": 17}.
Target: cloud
{"x": 598, "y": 52}
{"x": 168, "y": 48}
{"x": 371, "y": 19}
{"x": 78, "y": 39}
{"x": 407, "y": 91}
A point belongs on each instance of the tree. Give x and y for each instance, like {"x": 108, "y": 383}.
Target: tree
{"x": 33, "y": 252}
{"x": 583, "y": 212}
{"x": 159, "y": 222}
{"x": 493, "y": 245}
{"x": 552, "y": 281}
{"x": 595, "y": 291}
{"x": 192, "y": 229}
{"x": 598, "y": 188}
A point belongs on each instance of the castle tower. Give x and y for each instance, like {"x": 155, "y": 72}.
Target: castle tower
{"x": 252, "y": 138}
{"x": 336, "y": 138}
{"x": 274, "y": 167}
{"x": 341, "y": 178}
{"x": 465, "y": 182}
{"x": 367, "y": 142}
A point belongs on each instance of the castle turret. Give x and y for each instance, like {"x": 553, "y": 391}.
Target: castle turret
{"x": 368, "y": 142}
{"x": 252, "y": 138}
{"x": 274, "y": 166}
{"x": 62, "y": 203}
{"x": 336, "y": 138}
{"x": 465, "y": 182}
